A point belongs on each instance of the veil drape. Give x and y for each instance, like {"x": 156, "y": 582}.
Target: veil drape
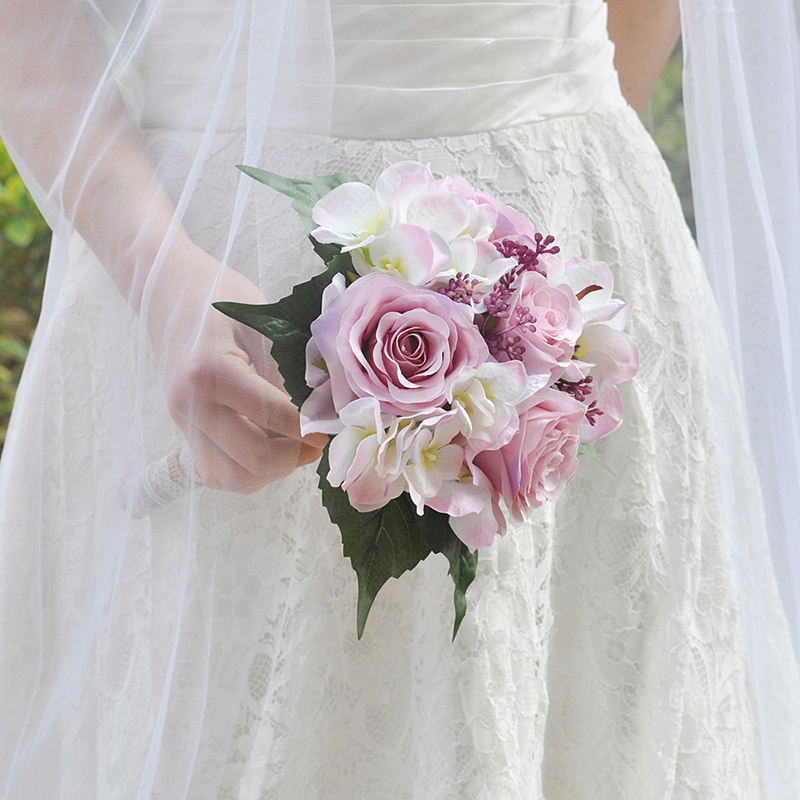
{"x": 126, "y": 119}
{"x": 742, "y": 100}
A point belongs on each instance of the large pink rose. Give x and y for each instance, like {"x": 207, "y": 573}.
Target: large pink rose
{"x": 550, "y": 342}
{"x": 387, "y": 339}
{"x": 541, "y": 458}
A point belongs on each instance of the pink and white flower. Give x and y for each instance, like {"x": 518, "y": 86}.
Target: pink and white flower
{"x": 433, "y": 458}
{"x": 484, "y": 401}
{"x": 408, "y": 252}
{"x": 353, "y": 214}
{"x": 354, "y": 457}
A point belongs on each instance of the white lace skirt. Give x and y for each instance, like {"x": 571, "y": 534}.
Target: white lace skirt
{"x": 605, "y": 653}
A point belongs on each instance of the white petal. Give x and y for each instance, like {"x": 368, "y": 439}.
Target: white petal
{"x": 350, "y": 212}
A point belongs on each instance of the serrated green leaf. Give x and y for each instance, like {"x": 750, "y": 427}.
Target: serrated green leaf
{"x": 298, "y": 188}
{"x": 288, "y": 343}
{"x": 382, "y": 544}
{"x": 287, "y": 324}
{"x": 301, "y": 307}
{"x": 342, "y": 263}
{"x": 586, "y": 449}
{"x": 436, "y": 531}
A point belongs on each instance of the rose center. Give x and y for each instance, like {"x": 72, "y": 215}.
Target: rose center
{"x": 412, "y": 346}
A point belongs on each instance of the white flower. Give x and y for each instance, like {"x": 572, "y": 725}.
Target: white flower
{"x": 350, "y": 215}
{"x": 354, "y": 457}
{"x": 433, "y": 458}
{"x": 353, "y": 214}
{"x": 484, "y": 401}
{"x": 408, "y": 252}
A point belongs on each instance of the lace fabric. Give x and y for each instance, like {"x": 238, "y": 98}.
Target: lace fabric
{"x": 603, "y": 655}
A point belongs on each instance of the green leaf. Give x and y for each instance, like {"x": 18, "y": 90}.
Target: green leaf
{"x": 436, "y": 531}
{"x": 586, "y": 449}
{"x": 298, "y": 189}
{"x": 288, "y": 343}
{"x": 304, "y": 195}
{"x": 381, "y": 544}
{"x": 287, "y": 324}
{"x": 342, "y": 263}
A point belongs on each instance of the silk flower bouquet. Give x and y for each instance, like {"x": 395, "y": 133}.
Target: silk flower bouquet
{"x": 459, "y": 365}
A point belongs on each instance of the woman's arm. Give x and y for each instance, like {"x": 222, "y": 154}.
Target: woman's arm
{"x": 64, "y": 117}
{"x": 644, "y": 33}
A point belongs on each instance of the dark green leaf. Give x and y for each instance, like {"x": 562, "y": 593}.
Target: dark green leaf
{"x": 287, "y": 324}
{"x": 342, "y": 263}
{"x": 436, "y": 531}
{"x": 304, "y": 303}
{"x": 382, "y": 544}
{"x": 297, "y": 188}
{"x": 288, "y": 344}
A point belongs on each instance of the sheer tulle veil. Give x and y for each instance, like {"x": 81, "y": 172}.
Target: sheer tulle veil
{"x": 89, "y": 120}
{"x": 105, "y": 99}
{"x": 742, "y": 99}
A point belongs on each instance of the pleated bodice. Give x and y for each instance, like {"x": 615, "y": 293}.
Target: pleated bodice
{"x": 402, "y": 69}
{"x": 405, "y": 70}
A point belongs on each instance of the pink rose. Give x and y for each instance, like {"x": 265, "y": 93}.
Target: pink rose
{"x": 550, "y": 341}
{"x": 541, "y": 458}
{"x": 387, "y": 339}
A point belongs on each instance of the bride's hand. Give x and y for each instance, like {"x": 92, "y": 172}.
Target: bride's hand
{"x": 223, "y": 388}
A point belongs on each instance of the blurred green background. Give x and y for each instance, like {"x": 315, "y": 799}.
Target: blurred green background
{"x": 25, "y": 238}
{"x": 24, "y": 245}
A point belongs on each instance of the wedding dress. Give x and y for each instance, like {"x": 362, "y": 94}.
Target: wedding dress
{"x": 208, "y": 650}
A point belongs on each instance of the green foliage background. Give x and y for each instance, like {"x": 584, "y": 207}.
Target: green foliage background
{"x": 24, "y": 247}
{"x": 25, "y": 238}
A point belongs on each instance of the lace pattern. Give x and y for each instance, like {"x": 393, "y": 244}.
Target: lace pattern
{"x": 605, "y": 654}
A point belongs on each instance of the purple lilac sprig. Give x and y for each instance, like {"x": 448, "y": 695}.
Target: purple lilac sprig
{"x": 461, "y": 289}
{"x": 498, "y": 304}
{"x": 580, "y": 390}
{"x": 593, "y": 412}
{"x": 506, "y": 344}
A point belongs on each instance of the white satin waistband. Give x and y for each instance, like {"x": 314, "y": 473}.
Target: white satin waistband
{"x": 410, "y": 70}
{"x": 402, "y": 69}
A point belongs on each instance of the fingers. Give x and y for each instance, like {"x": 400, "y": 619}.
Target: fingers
{"x": 247, "y": 393}
{"x": 265, "y": 460}
{"x": 219, "y": 471}
{"x": 226, "y": 395}
{"x": 251, "y": 447}
{"x": 259, "y": 350}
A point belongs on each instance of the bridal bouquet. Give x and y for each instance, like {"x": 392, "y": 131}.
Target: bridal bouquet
{"x": 459, "y": 365}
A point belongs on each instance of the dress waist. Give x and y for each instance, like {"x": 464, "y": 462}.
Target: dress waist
{"x": 410, "y": 70}
{"x": 403, "y": 70}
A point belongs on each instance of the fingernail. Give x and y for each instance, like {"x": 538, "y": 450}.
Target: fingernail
{"x": 317, "y": 440}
